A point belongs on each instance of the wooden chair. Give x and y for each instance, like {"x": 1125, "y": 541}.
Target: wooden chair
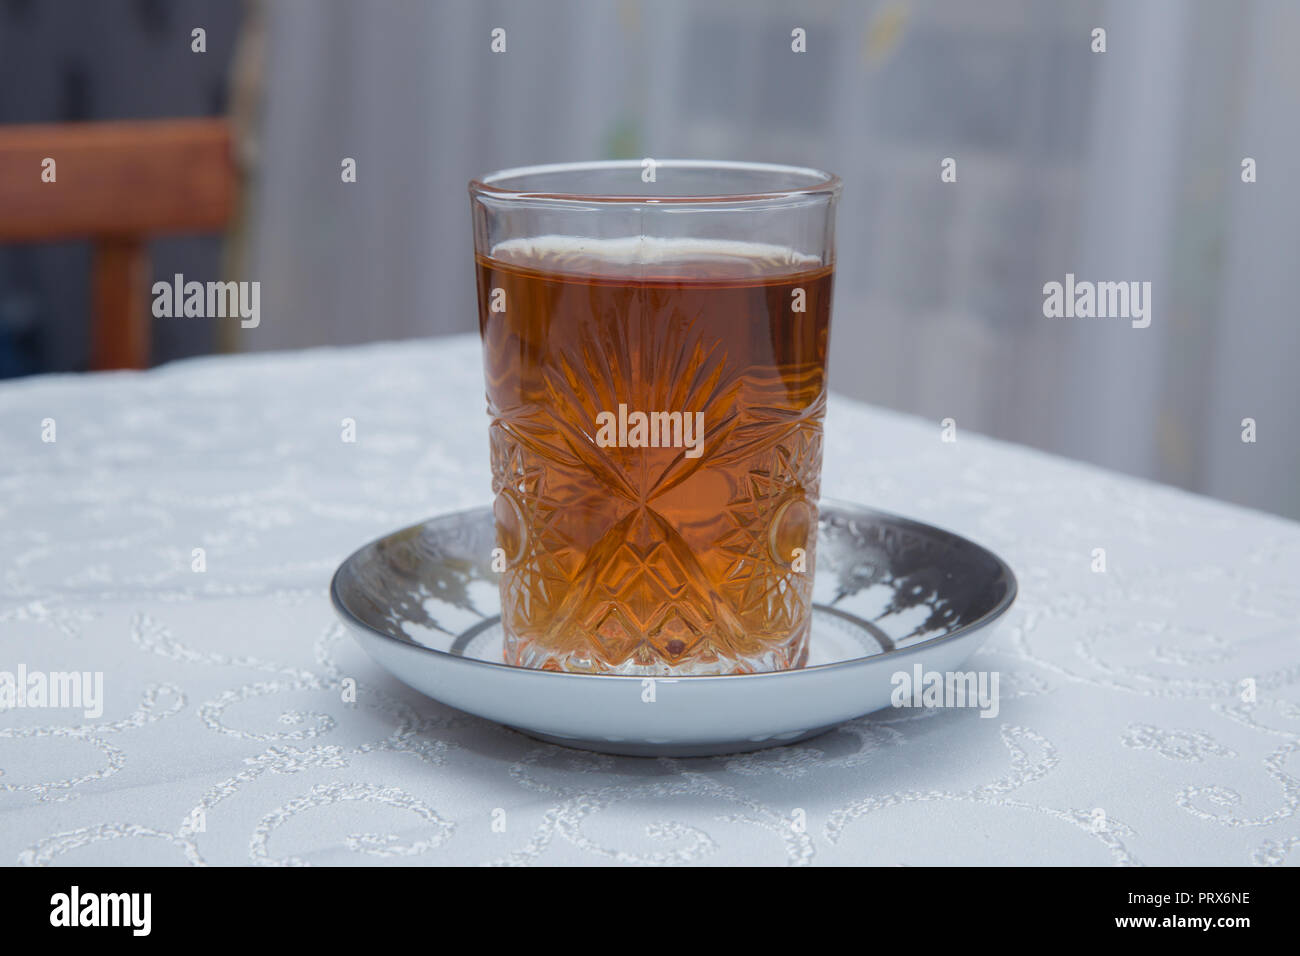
{"x": 118, "y": 183}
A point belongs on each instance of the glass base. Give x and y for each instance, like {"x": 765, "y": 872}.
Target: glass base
{"x": 788, "y": 654}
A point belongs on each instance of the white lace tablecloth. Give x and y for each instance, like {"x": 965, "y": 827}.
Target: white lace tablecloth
{"x": 1127, "y": 733}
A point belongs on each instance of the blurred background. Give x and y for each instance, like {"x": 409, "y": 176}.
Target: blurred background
{"x": 1115, "y": 166}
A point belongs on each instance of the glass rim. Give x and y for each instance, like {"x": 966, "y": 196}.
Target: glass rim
{"x": 820, "y": 182}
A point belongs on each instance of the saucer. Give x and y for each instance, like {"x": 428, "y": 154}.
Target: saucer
{"x": 889, "y": 594}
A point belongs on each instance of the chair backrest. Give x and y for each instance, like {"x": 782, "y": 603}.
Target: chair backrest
{"x": 117, "y": 183}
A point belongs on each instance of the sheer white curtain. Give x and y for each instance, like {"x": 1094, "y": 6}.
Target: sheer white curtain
{"x": 1115, "y": 166}
{"x": 412, "y": 93}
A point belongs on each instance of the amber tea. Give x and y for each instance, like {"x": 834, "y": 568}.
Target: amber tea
{"x": 656, "y": 437}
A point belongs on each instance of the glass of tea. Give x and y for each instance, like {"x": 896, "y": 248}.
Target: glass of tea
{"x": 654, "y": 338}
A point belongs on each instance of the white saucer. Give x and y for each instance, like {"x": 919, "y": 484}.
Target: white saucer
{"x": 889, "y": 594}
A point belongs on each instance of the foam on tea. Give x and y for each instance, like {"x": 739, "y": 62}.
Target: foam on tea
{"x": 656, "y": 445}
{"x": 650, "y": 255}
